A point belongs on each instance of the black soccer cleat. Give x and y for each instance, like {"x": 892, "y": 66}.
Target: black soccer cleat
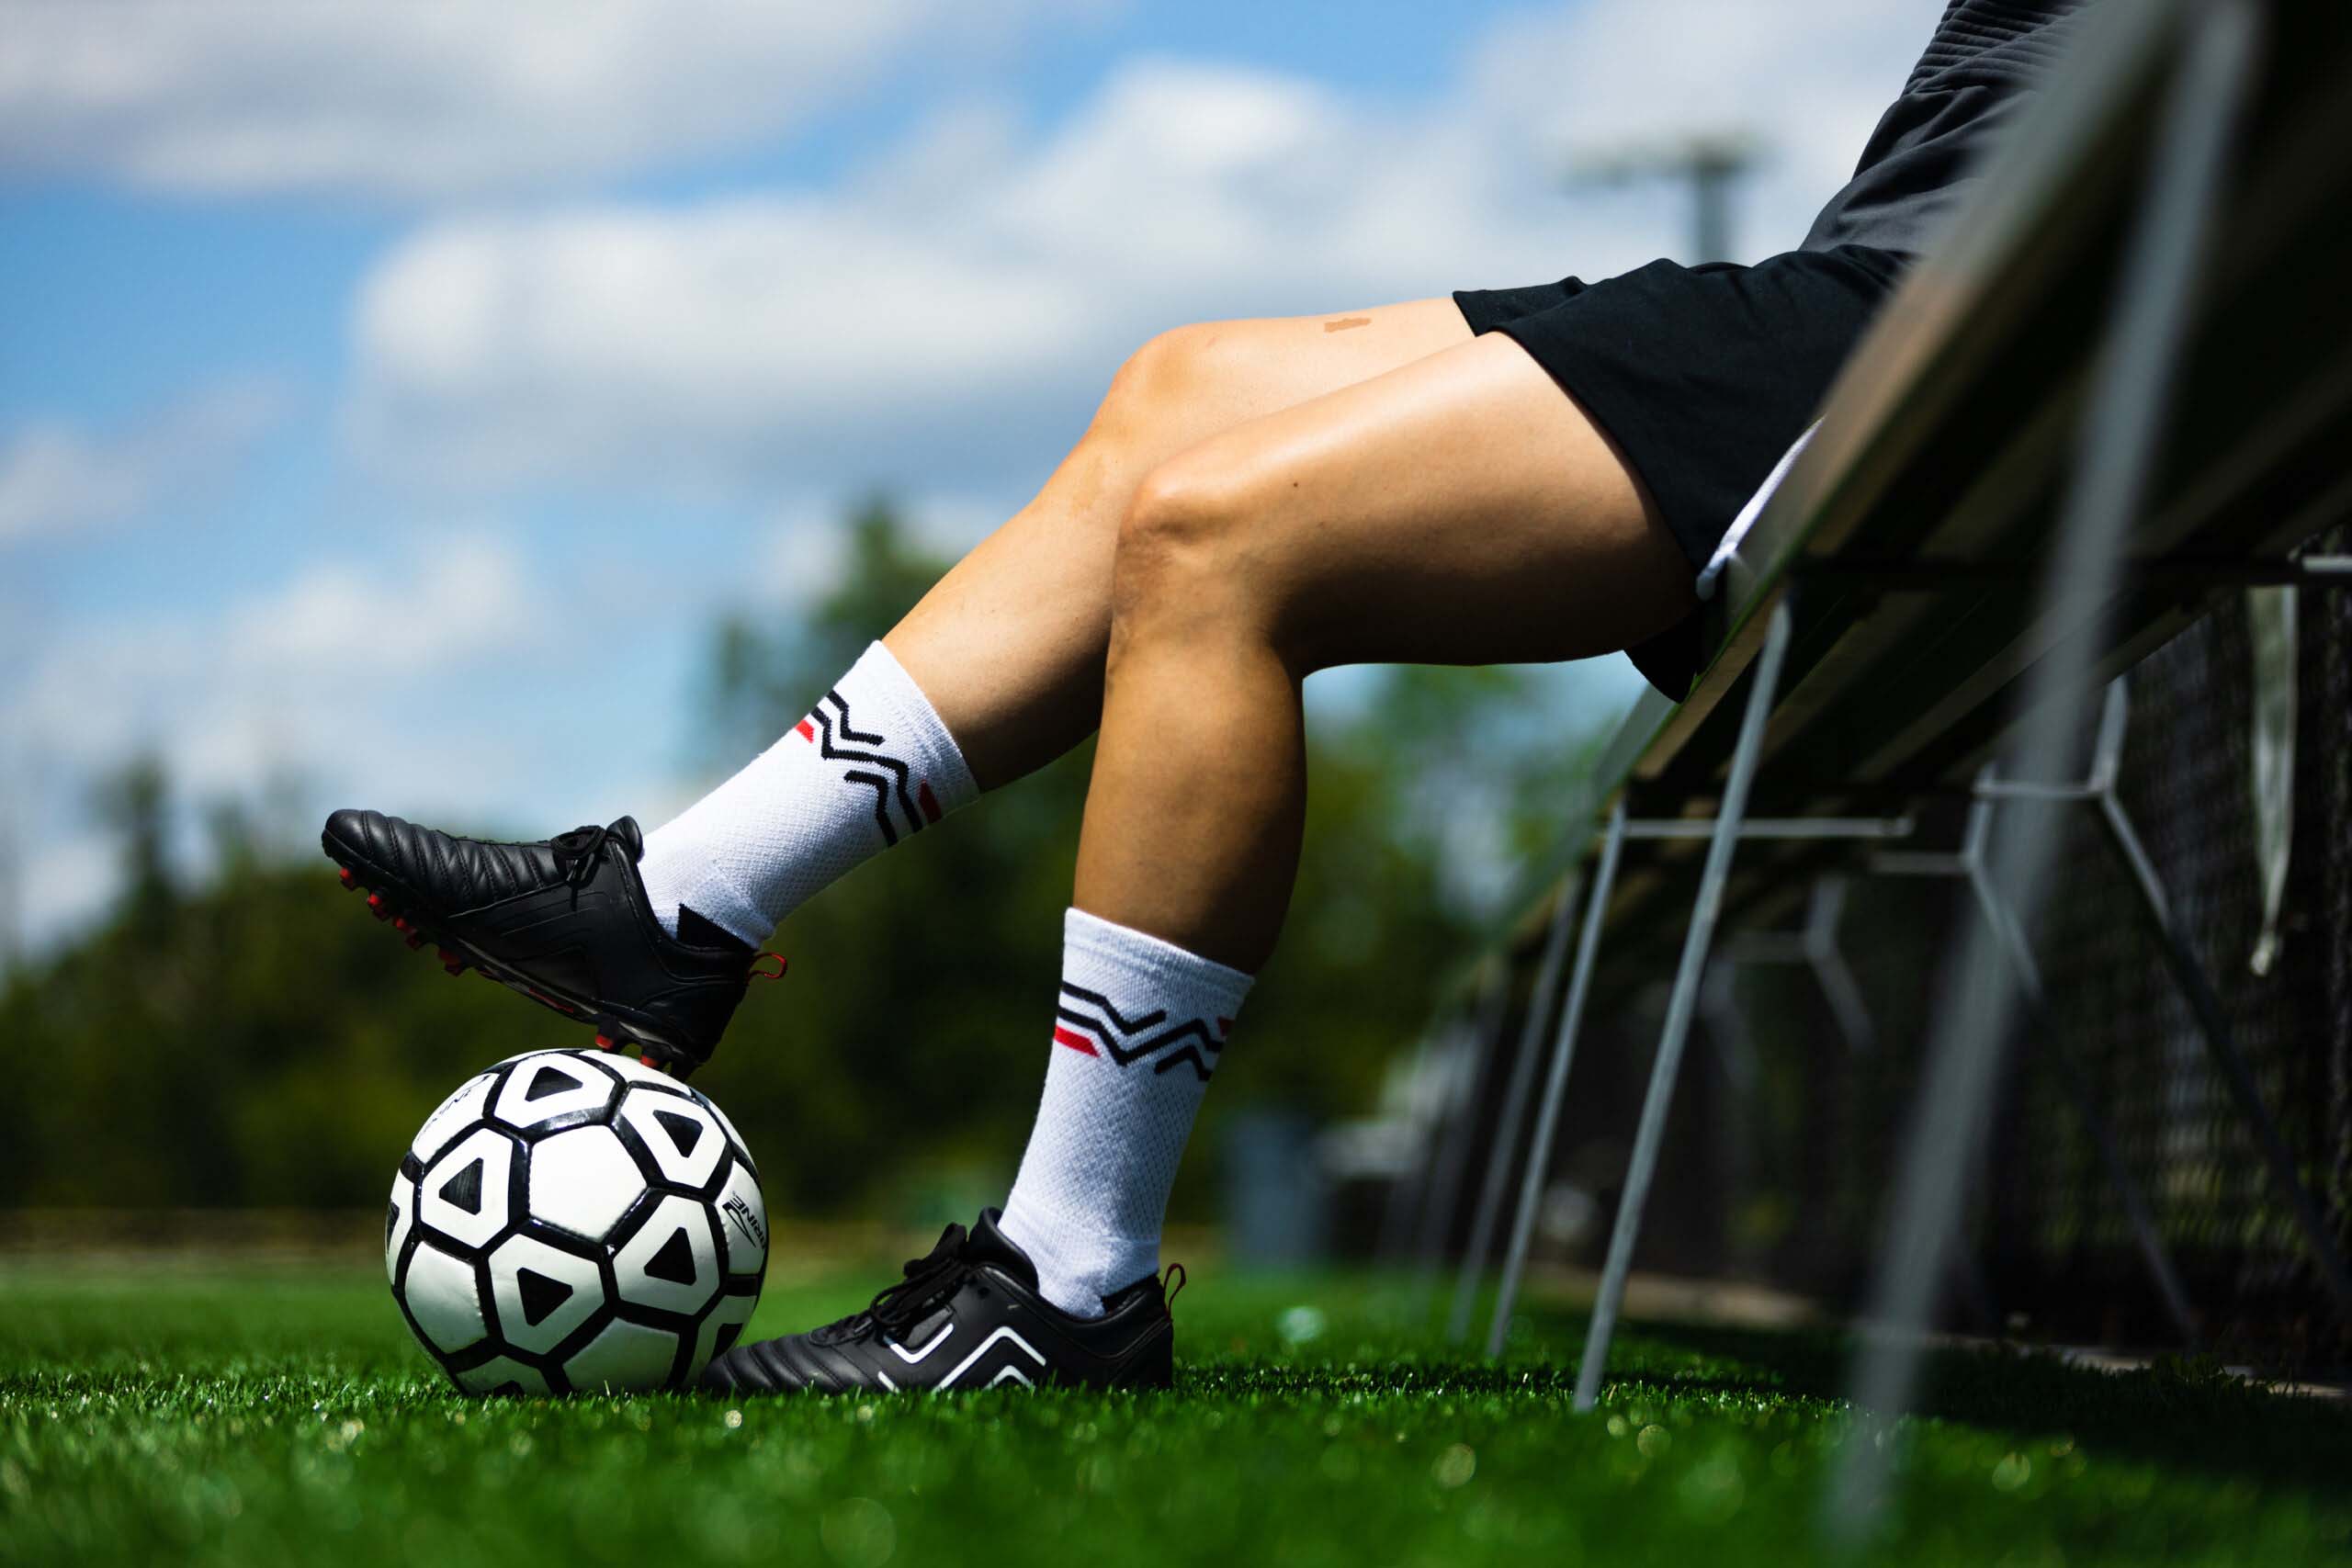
{"x": 564, "y": 921}
{"x": 966, "y": 1316}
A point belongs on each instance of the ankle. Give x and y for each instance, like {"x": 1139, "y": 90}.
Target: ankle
{"x": 1077, "y": 1266}
{"x": 869, "y": 766}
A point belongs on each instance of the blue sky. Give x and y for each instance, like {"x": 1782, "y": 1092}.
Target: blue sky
{"x": 391, "y": 394}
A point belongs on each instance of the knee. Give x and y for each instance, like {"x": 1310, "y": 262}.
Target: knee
{"x": 1171, "y": 369}
{"x": 1180, "y": 565}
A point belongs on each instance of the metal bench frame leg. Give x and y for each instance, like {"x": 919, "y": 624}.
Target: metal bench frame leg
{"x": 1514, "y": 1112}
{"x": 1651, "y": 1130}
{"x": 1814, "y": 946}
{"x": 1555, "y": 1082}
{"x": 1827, "y": 956}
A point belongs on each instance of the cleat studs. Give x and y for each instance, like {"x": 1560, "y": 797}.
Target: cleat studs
{"x": 348, "y": 879}
{"x": 453, "y": 963}
{"x": 400, "y": 923}
{"x": 415, "y": 941}
{"x": 604, "y": 1043}
{"x": 650, "y": 1062}
{"x": 378, "y": 908}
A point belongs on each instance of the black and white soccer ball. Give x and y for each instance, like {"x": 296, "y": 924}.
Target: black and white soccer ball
{"x": 572, "y": 1221}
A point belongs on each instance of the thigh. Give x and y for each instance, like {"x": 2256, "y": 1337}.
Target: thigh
{"x": 1461, "y": 509}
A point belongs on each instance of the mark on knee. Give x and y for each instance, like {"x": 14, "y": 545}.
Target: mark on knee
{"x": 1344, "y": 322}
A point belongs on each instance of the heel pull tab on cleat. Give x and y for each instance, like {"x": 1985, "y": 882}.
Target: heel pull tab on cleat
{"x": 1171, "y": 1282}
{"x": 782, "y": 964}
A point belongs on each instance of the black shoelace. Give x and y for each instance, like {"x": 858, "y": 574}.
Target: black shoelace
{"x": 930, "y": 1279}
{"x": 579, "y": 852}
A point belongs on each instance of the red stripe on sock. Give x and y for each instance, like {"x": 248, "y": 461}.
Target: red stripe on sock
{"x": 928, "y": 801}
{"x": 1075, "y": 1041}
{"x": 806, "y": 730}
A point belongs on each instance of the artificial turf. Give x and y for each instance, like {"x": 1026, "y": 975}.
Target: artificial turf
{"x": 269, "y": 1415}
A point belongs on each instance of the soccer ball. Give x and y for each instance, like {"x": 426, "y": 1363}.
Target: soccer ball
{"x": 572, "y": 1221}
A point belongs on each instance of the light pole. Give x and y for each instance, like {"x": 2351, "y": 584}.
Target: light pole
{"x": 1711, "y": 163}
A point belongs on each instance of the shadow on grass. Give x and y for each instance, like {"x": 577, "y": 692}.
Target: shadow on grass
{"x": 2186, "y": 1412}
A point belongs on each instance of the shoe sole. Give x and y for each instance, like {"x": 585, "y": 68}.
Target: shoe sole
{"x": 390, "y": 900}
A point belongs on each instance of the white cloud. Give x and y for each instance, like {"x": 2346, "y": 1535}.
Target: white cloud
{"x": 432, "y": 682}
{"x": 929, "y": 318}
{"x": 57, "y": 477}
{"x": 278, "y": 680}
{"x": 435, "y": 98}
{"x": 463, "y": 598}
{"x": 946, "y": 318}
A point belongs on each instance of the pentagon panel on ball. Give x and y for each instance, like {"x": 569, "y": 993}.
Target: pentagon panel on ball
{"x": 574, "y": 1222}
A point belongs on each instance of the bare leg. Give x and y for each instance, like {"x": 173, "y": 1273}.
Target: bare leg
{"x": 1458, "y": 510}
{"x": 1009, "y": 647}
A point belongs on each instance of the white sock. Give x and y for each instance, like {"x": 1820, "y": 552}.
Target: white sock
{"x": 1136, "y": 1035}
{"x": 869, "y": 766}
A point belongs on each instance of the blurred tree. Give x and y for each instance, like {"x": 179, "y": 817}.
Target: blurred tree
{"x": 136, "y": 805}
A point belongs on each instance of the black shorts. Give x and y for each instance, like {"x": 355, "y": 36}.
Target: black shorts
{"x": 1702, "y": 376}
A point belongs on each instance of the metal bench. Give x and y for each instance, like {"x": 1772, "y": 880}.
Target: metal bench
{"x": 2122, "y": 386}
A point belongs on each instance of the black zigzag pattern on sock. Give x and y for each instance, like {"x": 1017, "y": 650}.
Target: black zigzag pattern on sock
{"x": 827, "y": 725}
{"x": 850, "y": 732}
{"x": 1190, "y": 1054}
{"x": 881, "y": 787}
{"x": 1131, "y": 1040}
{"x": 1124, "y": 1024}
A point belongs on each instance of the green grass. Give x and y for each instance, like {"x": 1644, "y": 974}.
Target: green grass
{"x": 278, "y": 1415}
